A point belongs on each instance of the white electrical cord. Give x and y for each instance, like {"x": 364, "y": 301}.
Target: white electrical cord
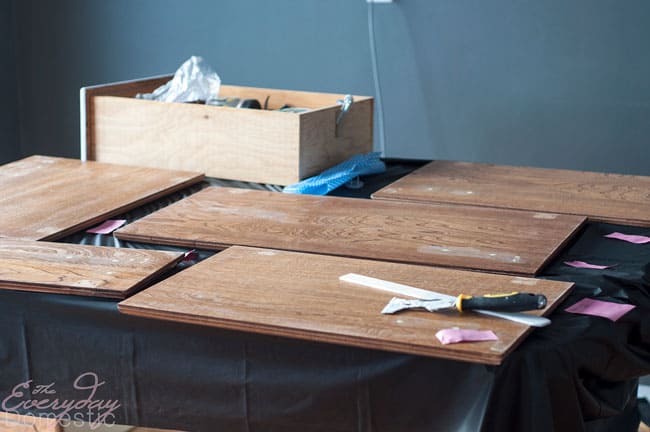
{"x": 375, "y": 75}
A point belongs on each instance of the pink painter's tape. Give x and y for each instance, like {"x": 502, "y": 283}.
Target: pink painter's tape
{"x": 609, "y": 310}
{"x": 637, "y": 239}
{"x": 107, "y": 227}
{"x": 455, "y": 335}
{"x": 586, "y": 265}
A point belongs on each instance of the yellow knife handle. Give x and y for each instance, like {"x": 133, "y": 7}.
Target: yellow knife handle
{"x": 506, "y": 302}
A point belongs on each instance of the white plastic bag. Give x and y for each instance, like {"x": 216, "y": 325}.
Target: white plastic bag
{"x": 194, "y": 81}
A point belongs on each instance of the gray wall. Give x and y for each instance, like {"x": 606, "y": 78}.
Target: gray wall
{"x": 9, "y": 141}
{"x": 552, "y": 83}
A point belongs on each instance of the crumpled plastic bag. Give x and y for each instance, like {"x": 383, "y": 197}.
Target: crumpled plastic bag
{"x": 194, "y": 81}
{"x": 339, "y": 175}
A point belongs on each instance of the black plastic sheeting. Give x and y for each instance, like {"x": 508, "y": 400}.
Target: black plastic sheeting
{"x": 201, "y": 379}
{"x": 578, "y": 374}
{"x": 581, "y": 371}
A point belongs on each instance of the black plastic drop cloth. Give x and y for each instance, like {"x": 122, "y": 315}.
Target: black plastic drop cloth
{"x": 578, "y": 374}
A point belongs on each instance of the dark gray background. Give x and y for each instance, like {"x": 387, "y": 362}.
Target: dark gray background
{"x": 556, "y": 83}
{"x": 9, "y": 141}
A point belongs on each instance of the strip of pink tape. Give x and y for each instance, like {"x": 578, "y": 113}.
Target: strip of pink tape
{"x": 107, "y": 227}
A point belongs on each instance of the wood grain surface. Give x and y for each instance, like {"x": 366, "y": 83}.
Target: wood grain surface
{"x": 27, "y": 423}
{"x": 61, "y": 268}
{"x": 45, "y": 198}
{"x": 300, "y": 296}
{"x": 454, "y": 236}
{"x": 601, "y": 197}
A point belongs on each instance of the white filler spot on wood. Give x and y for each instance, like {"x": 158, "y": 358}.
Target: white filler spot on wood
{"x": 524, "y": 281}
{"x": 545, "y": 216}
{"x": 470, "y": 252}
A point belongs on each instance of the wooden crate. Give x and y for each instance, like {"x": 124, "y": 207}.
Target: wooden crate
{"x": 262, "y": 146}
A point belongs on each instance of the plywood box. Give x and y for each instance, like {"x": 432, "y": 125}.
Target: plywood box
{"x": 264, "y": 146}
